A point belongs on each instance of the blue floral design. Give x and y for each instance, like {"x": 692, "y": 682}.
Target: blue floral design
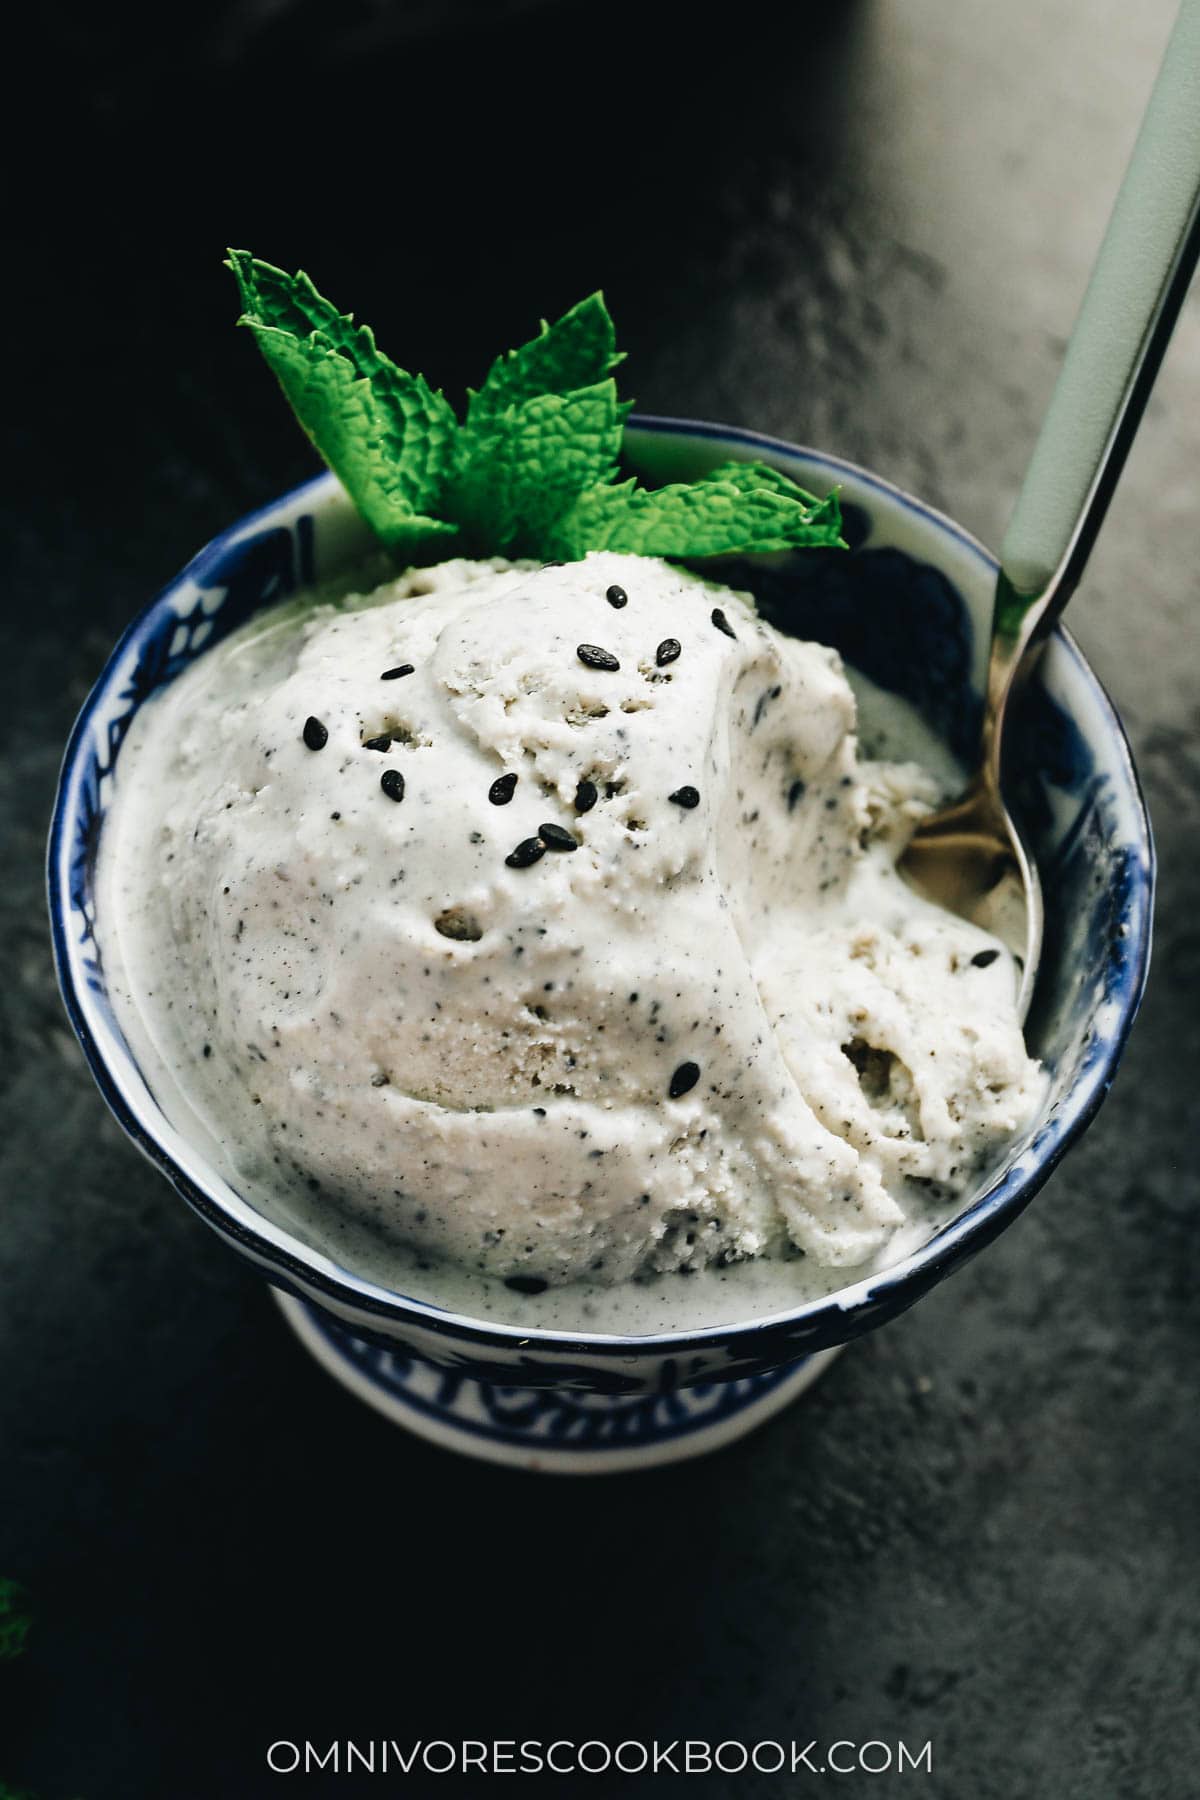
{"x": 600, "y": 1417}
{"x": 1049, "y": 750}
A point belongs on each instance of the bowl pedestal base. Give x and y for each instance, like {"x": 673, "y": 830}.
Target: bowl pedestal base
{"x": 547, "y": 1430}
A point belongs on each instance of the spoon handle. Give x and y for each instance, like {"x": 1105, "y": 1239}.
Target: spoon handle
{"x": 1125, "y": 322}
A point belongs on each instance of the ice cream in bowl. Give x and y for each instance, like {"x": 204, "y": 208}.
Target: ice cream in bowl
{"x": 494, "y": 931}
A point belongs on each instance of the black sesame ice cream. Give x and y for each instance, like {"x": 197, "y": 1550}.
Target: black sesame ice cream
{"x": 547, "y": 919}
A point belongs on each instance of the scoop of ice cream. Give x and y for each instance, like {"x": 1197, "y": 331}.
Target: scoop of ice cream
{"x": 547, "y": 918}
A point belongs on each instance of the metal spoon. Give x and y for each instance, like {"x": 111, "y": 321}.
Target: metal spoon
{"x": 970, "y": 855}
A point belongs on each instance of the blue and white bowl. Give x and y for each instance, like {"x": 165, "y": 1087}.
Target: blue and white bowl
{"x": 910, "y": 606}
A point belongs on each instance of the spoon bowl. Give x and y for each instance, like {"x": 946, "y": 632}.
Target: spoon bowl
{"x": 970, "y": 857}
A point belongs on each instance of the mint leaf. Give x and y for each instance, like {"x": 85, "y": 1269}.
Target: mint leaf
{"x": 291, "y": 303}
{"x": 757, "y": 477}
{"x": 737, "y": 508}
{"x": 532, "y": 462}
{"x": 576, "y": 352}
{"x": 389, "y": 438}
{"x": 14, "y": 1619}
{"x": 342, "y": 414}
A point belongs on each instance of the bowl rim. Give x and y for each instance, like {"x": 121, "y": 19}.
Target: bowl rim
{"x": 836, "y": 1317}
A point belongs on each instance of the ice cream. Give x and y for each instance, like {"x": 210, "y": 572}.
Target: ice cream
{"x": 546, "y": 919}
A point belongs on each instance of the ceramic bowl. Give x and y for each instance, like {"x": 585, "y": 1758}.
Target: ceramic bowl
{"x": 909, "y": 605}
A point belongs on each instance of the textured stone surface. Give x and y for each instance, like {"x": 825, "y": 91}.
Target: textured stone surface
{"x": 866, "y": 226}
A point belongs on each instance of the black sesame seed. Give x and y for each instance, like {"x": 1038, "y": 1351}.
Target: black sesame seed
{"x": 667, "y": 652}
{"x": 539, "y": 1112}
{"x": 315, "y": 734}
{"x": 382, "y": 742}
{"x": 596, "y": 658}
{"x": 526, "y": 1284}
{"x": 207, "y": 1050}
{"x": 684, "y": 1079}
{"x": 795, "y": 794}
{"x": 586, "y": 796}
{"x": 722, "y": 623}
{"x": 502, "y": 790}
{"x": 983, "y": 959}
{"x": 392, "y": 783}
{"x": 397, "y": 672}
{"x": 555, "y": 838}
{"x": 616, "y": 596}
{"x": 529, "y": 850}
{"x": 685, "y": 796}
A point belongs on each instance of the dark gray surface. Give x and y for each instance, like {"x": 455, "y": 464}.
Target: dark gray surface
{"x": 869, "y": 231}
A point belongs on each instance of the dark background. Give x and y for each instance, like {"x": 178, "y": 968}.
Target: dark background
{"x": 865, "y": 225}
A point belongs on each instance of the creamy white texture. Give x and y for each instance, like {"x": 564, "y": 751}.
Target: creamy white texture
{"x": 375, "y": 1013}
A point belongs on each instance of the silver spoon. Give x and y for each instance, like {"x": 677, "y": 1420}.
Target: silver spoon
{"x": 970, "y": 855}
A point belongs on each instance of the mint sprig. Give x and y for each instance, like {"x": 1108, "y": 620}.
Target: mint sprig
{"x": 532, "y": 470}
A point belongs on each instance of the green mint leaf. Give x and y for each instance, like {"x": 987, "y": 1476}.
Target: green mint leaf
{"x": 755, "y": 477}
{"x": 532, "y": 463}
{"x": 389, "y": 438}
{"x": 737, "y": 508}
{"x": 342, "y": 415}
{"x": 291, "y": 303}
{"x": 14, "y": 1619}
{"x": 578, "y": 351}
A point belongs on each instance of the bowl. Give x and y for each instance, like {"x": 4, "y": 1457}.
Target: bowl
{"x": 909, "y": 605}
